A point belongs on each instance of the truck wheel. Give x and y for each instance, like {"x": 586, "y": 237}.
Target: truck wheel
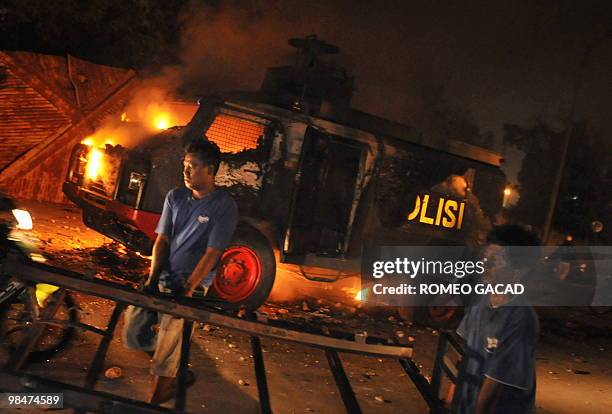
{"x": 443, "y": 316}
{"x": 246, "y": 272}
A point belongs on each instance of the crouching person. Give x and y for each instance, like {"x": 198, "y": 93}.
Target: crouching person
{"x": 196, "y": 225}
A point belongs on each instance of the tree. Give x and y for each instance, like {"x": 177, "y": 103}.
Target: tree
{"x": 136, "y": 34}
{"x": 585, "y": 193}
{"x": 540, "y": 143}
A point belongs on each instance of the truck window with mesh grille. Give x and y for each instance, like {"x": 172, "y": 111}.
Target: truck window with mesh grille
{"x": 234, "y": 134}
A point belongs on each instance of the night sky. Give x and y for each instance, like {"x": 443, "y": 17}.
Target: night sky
{"x": 503, "y": 62}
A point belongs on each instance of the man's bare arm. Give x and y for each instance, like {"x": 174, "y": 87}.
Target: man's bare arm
{"x": 488, "y": 396}
{"x": 161, "y": 249}
{"x": 203, "y": 268}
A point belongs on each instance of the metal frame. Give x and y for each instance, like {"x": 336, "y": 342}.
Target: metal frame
{"x": 86, "y": 399}
{"x": 443, "y": 365}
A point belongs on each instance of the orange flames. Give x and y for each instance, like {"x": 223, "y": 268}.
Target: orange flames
{"x": 150, "y": 110}
{"x": 94, "y": 164}
{"x": 147, "y": 114}
{"x": 162, "y": 121}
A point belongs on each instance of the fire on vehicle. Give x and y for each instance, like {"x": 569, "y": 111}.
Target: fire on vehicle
{"x": 314, "y": 179}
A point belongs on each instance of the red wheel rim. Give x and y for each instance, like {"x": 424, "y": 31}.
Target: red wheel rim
{"x": 238, "y": 275}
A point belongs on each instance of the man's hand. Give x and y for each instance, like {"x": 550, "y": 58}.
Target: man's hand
{"x": 189, "y": 292}
{"x": 148, "y": 285}
{"x": 207, "y": 262}
{"x": 161, "y": 249}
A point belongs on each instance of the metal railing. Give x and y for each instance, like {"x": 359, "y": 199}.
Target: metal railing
{"x": 86, "y": 399}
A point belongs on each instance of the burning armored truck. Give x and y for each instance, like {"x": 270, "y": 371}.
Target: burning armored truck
{"x": 313, "y": 178}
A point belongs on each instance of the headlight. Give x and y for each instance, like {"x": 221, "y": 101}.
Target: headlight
{"x": 24, "y": 220}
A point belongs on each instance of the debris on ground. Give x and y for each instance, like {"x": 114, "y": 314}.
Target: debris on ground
{"x": 111, "y": 260}
{"x": 325, "y": 316}
{"x": 113, "y": 373}
{"x": 578, "y": 371}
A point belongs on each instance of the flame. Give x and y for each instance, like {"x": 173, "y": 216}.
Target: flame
{"x": 150, "y": 111}
{"x": 359, "y": 296}
{"x": 94, "y": 163}
{"x": 161, "y": 121}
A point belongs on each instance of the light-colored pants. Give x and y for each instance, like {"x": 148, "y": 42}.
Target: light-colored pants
{"x": 138, "y": 333}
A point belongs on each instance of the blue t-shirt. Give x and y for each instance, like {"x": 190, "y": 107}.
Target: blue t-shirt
{"x": 500, "y": 344}
{"x": 192, "y": 225}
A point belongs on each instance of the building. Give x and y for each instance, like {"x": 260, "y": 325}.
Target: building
{"x": 47, "y": 105}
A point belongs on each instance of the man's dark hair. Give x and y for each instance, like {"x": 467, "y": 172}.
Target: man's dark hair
{"x": 516, "y": 239}
{"x": 208, "y": 152}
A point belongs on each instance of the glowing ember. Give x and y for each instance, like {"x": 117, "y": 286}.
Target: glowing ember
{"x": 87, "y": 141}
{"x": 124, "y": 117}
{"x": 94, "y": 164}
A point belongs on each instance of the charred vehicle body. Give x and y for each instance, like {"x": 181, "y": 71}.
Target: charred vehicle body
{"x": 313, "y": 179}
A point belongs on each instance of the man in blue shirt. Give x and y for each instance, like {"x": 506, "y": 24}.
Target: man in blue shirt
{"x": 196, "y": 225}
{"x": 500, "y": 332}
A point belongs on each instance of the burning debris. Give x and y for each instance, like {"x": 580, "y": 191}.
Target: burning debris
{"x": 325, "y": 317}
{"x": 110, "y": 261}
{"x": 151, "y": 110}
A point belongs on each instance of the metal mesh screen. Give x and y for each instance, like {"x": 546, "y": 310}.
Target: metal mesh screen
{"x": 234, "y": 134}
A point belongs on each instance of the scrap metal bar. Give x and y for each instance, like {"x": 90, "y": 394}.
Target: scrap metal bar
{"x": 68, "y": 324}
{"x": 95, "y": 370}
{"x": 260, "y": 375}
{"x": 20, "y": 356}
{"x": 98, "y": 362}
{"x": 450, "y": 369}
{"x": 188, "y": 309}
{"x": 436, "y": 374}
{"x": 193, "y": 310}
{"x": 346, "y": 391}
{"x": 79, "y": 398}
{"x": 181, "y": 386}
{"x": 424, "y": 387}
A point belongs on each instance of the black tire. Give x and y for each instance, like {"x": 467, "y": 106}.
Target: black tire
{"x": 16, "y": 316}
{"x": 250, "y": 240}
{"x": 442, "y": 317}
{"x": 438, "y": 314}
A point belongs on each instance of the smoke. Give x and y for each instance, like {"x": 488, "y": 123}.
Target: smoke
{"x": 229, "y": 45}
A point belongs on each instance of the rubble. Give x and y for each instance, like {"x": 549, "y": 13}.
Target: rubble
{"x": 113, "y": 373}
{"x": 578, "y": 371}
{"x": 111, "y": 261}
